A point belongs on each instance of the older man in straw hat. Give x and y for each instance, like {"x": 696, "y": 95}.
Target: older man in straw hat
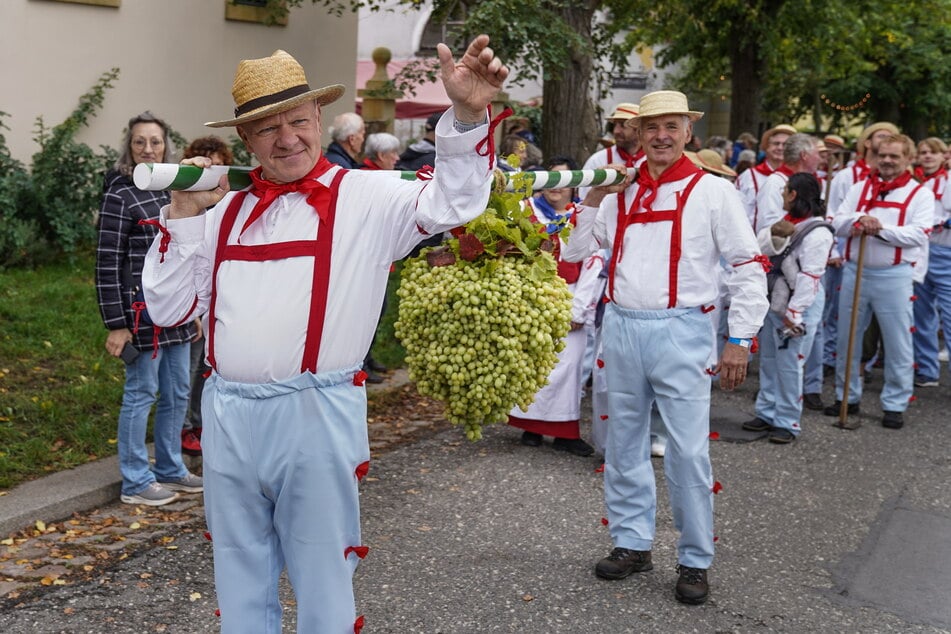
{"x": 751, "y": 180}
{"x": 291, "y": 273}
{"x": 666, "y": 243}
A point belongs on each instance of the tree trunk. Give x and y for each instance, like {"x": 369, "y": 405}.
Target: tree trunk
{"x": 746, "y": 74}
{"x": 569, "y": 121}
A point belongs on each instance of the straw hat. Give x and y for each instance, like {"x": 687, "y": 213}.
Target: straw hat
{"x": 710, "y": 161}
{"x": 660, "y": 102}
{"x": 271, "y": 85}
{"x": 834, "y": 142}
{"x": 783, "y": 128}
{"x": 875, "y": 127}
{"x": 623, "y": 112}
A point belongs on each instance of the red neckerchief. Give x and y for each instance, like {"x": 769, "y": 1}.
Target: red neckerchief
{"x": 924, "y": 178}
{"x": 370, "y": 165}
{"x": 680, "y": 170}
{"x": 764, "y": 169}
{"x": 794, "y": 220}
{"x": 267, "y": 191}
{"x": 879, "y": 187}
{"x": 784, "y": 169}
{"x": 861, "y": 169}
{"x": 626, "y": 156}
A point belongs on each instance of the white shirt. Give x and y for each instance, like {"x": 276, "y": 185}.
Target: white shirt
{"x": 802, "y": 269}
{"x": 769, "y": 201}
{"x": 748, "y": 184}
{"x": 713, "y": 225}
{"x": 942, "y": 209}
{"x": 905, "y": 241}
{"x": 262, "y": 308}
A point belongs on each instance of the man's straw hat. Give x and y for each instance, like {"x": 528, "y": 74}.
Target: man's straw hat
{"x": 710, "y": 161}
{"x": 661, "y": 102}
{"x": 271, "y": 85}
{"x": 623, "y": 112}
{"x": 782, "y": 128}
{"x": 834, "y": 142}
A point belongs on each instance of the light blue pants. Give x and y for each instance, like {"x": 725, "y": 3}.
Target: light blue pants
{"x": 933, "y": 307}
{"x": 886, "y": 292}
{"x": 280, "y": 463}
{"x": 659, "y": 356}
{"x": 781, "y": 362}
{"x": 832, "y": 282}
{"x": 167, "y": 376}
{"x": 812, "y": 371}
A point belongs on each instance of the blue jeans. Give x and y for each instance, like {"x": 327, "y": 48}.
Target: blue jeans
{"x": 933, "y": 309}
{"x": 165, "y": 376}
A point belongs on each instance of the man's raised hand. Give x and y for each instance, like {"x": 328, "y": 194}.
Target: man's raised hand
{"x": 472, "y": 82}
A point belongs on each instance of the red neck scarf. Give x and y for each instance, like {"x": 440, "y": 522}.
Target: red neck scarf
{"x": 785, "y": 170}
{"x": 680, "y": 170}
{"x": 794, "y": 220}
{"x": 923, "y": 178}
{"x": 861, "y": 169}
{"x": 370, "y": 165}
{"x": 764, "y": 169}
{"x": 879, "y": 187}
{"x": 626, "y": 157}
{"x": 267, "y": 191}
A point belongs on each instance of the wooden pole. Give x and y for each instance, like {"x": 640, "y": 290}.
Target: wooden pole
{"x": 853, "y": 322}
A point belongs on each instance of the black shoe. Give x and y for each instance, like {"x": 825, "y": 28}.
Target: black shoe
{"x": 828, "y": 370}
{"x": 372, "y": 377}
{"x": 573, "y": 445}
{"x": 531, "y": 439}
{"x": 622, "y": 562}
{"x": 893, "y": 420}
{"x": 375, "y": 365}
{"x": 757, "y": 424}
{"x": 781, "y": 436}
{"x": 813, "y": 402}
{"x": 692, "y": 586}
{"x": 833, "y": 410}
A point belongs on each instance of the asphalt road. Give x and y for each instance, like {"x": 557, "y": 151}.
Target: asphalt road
{"x": 841, "y": 531}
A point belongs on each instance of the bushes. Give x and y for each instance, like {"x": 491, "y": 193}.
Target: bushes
{"x": 53, "y": 209}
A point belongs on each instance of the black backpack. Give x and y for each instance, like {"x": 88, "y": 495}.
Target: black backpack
{"x": 776, "y": 261}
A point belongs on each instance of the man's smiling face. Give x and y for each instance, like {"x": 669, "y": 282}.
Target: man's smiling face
{"x": 287, "y": 145}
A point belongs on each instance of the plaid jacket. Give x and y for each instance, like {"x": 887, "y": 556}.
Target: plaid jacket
{"x": 120, "y": 254}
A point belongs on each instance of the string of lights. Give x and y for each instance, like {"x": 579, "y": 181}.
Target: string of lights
{"x": 855, "y": 106}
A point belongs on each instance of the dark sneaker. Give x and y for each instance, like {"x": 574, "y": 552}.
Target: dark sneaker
{"x": 781, "y": 436}
{"x": 189, "y": 484}
{"x": 893, "y": 420}
{"x": 813, "y": 402}
{"x": 757, "y": 424}
{"x": 372, "y": 377}
{"x": 575, "y": 446}
{"x": 623, "y": 562}
{"x": 692, "y": 587}
{"x": 531, "y": 439}
{"x": 191, "y": 444}
{"x": 375, "y": 365}
{"x": 833, "y": 410}
{"x": 924, "y": 381}
{"x": 153, "y": 495}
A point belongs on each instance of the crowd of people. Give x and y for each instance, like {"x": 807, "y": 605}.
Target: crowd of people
{"x": 702, "y": 254}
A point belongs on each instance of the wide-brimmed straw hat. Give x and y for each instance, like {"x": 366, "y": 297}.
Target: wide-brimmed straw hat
{"x": 271, "y": 85}
{"x": 783, "y": 128}
{"x": 710, "y": 161}
{"x": 623, "y": 112}
{"x": 834, "y": 142}
{"x": 661, "y": 102}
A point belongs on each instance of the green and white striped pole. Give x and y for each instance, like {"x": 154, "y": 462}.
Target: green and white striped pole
{"x": 161, "y": 176}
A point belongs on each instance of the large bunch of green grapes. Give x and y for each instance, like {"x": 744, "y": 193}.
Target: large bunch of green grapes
{"x": 482, "y": 335}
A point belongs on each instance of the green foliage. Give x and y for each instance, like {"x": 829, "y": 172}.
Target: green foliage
{"x": 67, "y": 176}
{"x": 239, "y": 150}
{"x": 17, "y": 234}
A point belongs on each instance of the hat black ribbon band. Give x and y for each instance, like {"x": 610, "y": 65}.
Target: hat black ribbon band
{"x": 270, "y": 100}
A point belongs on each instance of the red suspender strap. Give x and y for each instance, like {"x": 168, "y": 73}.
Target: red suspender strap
{"x": 902, "y": 211}
{"x": 674, "y": 217}
{"x": 321, "y": 279}
{"x": 227, "y": 224}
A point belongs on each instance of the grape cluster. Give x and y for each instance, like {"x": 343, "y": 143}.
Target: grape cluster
{"x": 481, "y": 336}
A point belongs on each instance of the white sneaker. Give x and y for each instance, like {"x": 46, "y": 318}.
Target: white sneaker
{"x": 658, "y": 449}
{"x": 153, "y": 495}
{"x": 189, "y": 484}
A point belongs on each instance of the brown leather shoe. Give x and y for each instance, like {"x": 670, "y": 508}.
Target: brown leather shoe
{"x": 692, "y": 587}
{"x": 623, "y": 562}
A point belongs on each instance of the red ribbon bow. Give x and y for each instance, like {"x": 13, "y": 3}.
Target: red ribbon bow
{"x": 486, "y": 147}
{"x": 267, "y": 191}
{"x": 166, "y": 236}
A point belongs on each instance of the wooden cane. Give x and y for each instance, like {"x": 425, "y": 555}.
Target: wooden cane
{"x": 853, "y": 322}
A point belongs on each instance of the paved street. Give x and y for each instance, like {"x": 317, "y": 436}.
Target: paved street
{"x": 842, "y": 531}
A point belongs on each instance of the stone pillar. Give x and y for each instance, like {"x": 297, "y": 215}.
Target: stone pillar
{"x": 379, "y": 95}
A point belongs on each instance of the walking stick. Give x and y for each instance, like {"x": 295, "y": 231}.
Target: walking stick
{"x": 853, "y": 321}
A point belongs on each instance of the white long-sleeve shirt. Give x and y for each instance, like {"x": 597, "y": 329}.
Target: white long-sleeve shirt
{"x": 713, "y": 224}
{"x": 262, "y": 308}
{"x": 904, "y": 232}
{"x": 802, "y": 269}
{"x": 942, "y": 209}
{"x": 748, "y": 184}
{"x": 769, "y": 201}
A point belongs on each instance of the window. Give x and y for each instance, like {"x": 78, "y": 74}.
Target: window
{"x": 446, "y": 28}
{"x": 251, "y": 11}
{"x": 101, "y": 3}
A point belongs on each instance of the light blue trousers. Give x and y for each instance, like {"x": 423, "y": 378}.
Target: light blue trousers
{"x": 280, "y": 465}
{"x": 886, "y": 292}
{"x": 659, "y": 357}
{"x": 781, "y": 362}
{"x": 931, "y": 309}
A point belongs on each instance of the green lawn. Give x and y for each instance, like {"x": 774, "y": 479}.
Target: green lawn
{"x": 59, "y": 389}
